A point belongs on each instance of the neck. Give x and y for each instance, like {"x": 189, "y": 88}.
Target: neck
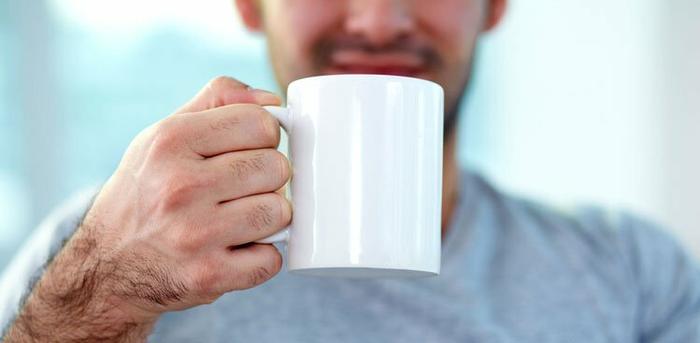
{"x": 450, "y": 181}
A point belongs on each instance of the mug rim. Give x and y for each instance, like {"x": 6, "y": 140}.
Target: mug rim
{"x": 371, "y": 76}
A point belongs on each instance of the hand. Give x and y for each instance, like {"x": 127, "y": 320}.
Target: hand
{"x": 174, "y": 225}
{"x": 190, "y": 195}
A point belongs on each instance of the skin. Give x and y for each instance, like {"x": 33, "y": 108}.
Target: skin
{"x": 205, "y": 182}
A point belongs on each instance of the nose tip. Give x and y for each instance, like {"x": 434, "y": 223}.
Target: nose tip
{"x": 379, "y": 21}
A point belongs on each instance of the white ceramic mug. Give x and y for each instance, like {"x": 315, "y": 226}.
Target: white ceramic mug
{"x": 366, "y": 188}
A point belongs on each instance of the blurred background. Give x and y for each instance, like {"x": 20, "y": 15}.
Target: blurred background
{"x": 573, "y": 102}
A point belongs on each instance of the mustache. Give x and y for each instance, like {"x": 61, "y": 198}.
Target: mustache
{"x": 325, "y": 48}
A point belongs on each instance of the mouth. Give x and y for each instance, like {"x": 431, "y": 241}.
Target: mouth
{"x": 385, "y": 63}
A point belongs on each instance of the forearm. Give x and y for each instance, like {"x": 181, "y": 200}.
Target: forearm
{"x": 37, "y": 324}
{"x": 72, "y": 302}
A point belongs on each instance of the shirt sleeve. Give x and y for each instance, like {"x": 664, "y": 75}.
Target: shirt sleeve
{"x": 44, "y": 242}
{"x": 668, "y": 280}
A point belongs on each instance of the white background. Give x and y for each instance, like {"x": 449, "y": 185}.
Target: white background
{"x": 597, "y": 102}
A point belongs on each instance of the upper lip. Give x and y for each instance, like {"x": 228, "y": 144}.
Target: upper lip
{"x": 376, "y": 62}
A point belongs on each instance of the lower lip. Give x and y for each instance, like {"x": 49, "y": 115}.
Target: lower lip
{"x": 398, "y": 71}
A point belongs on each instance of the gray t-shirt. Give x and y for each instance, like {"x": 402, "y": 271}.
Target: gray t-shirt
{"x": 512, "y": 271}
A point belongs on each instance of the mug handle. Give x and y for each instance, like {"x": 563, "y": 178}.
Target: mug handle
{"x": 282, "y": 116}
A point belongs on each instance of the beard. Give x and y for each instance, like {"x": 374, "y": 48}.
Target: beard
{"x": 431, "y": 60}
{"x": 453, "y": 109}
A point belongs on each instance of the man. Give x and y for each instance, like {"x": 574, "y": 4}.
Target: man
{"x": 165, "y": 248}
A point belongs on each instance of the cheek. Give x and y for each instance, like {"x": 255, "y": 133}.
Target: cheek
{"x": 297, "y": 25}
{"x": 453, "y": 26}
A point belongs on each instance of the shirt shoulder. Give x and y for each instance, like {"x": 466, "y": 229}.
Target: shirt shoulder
{"x": 614, "y": 250}
{"x": 603, "y": 232}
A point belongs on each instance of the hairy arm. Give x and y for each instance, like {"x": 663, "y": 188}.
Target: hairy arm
{"x": 73, "y": 302}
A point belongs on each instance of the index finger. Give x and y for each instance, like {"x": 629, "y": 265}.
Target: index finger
{"x": 224, "y": 90}
{"x": 227, "y": 129}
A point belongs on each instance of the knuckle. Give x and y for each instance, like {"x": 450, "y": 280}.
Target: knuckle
{"x": 284, "y": 209}
{"x": 228, "y": 123}
{"x": 188, "y": 241}
{"x": 167, "y": 136}
{"x": 259, "y": 275}
{"x": 276, "y": 262}
{"x": 269, "y": 128}
{"x": 205, "y": 281}
{"x": 244, "y": 167}
{"x": 177, "y": 190}
{"x": 284, "y": 169}
{"x": 268, "y": 265}
{"x": 201, "y": 177}
{"x": 170, "y": 135}
{"x": 268, "y": 166}
{"x": 260, "y": 216}
{"x": 263, "y": 126}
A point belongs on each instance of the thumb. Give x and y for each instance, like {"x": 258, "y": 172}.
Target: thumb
{"x": 225, "y": 90}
